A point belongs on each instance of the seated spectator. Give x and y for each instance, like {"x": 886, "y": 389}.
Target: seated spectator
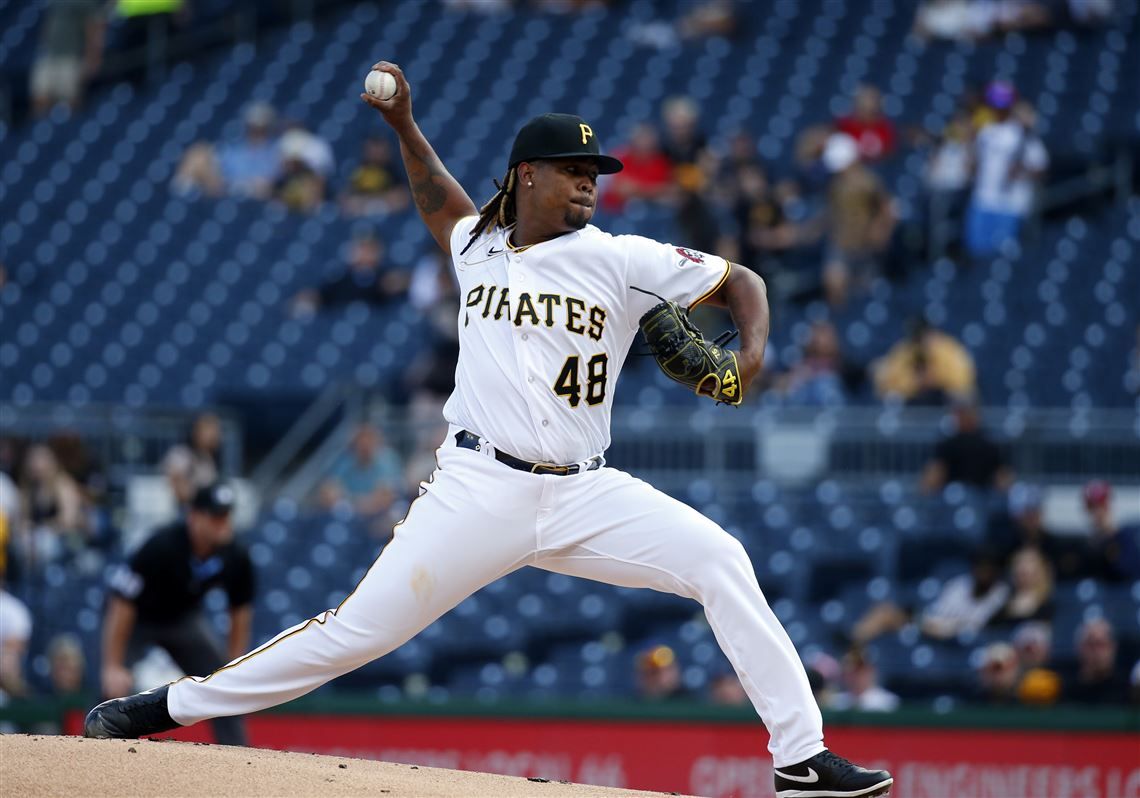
{"x": 684, "y": 142}
{"x": 54, "y": 521}
{"x": 67, "y": 666}
{"x": 966, "y": 604}
{"x": 197, "y": 462}
{"x": 659, "y": 675}
{"x": 862, "y": 690}
{"x": 765, "y": 229}
{"x": 817, "y": 380}
{"x": 1033, "y": 642}
{"x": 1032, "y": 596}
{"x": 968, "y": 456}
{"x": 199, "y": 172}
{"x": 998, "y": 675}
{"x": 648, "y": 172}
{"x": 15, "y": 632}
{"x": 1114, "y": 548}
{"x": 378, "y": 185}
{"x": 363, "y": 280}
{"x": 927, "y": 367}
{"x": 368, "y": 476}
{"x": 299, "y": 188}
{"x": 1010, "y": 160}
{"x": 314, "y": 150}
{"x": 69, "y": 55}
{"x": 971, "y": 20}
{"x": 873, "y": 131}
{"x": 859, "y": 221}
{"x": 1098, "y": 678}
{"x": 726, "y": 690}
{"x": 250, "y": 167}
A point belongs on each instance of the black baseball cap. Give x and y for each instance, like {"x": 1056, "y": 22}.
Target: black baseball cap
{"x": 216, "y": 499}
{"x": 560, "y": 136}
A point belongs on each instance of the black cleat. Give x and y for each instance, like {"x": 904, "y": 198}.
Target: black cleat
{"x": 826, "y": 775}
{"x": 133, "y": 716}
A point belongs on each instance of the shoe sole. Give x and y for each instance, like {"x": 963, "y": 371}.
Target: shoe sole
{"x": 874, "y": 791}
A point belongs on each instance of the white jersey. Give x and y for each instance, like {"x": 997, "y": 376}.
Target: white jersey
{"x": 544, "y": 331}
{"x": 998, "y": 146}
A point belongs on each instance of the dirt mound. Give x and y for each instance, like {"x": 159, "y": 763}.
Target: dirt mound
{"x": 35, "y": 766}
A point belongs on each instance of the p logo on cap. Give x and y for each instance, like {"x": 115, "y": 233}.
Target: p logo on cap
{"x": 587, "y": 133}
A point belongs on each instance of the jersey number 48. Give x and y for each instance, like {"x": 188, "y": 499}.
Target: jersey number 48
{"x": 568, "y": 386}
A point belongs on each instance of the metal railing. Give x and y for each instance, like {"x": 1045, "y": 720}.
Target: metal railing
{"x": 125, "y": 441}
{"x": 801, "y": 445}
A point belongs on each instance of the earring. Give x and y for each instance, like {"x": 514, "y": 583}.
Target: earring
{"x": 530, "y": 184}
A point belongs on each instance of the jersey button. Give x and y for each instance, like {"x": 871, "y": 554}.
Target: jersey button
{"x": 545, "y": 423}
{"x": 525, "y": 336}
{"x": 530, "y": 379}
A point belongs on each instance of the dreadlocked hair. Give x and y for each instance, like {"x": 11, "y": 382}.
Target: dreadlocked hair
{"x": 499, "y": 210}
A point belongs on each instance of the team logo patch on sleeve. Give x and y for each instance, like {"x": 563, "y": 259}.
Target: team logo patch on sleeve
{"x": 689, "y": 255}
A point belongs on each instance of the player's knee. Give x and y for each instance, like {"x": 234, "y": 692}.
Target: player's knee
{"x": 721, "y": 557}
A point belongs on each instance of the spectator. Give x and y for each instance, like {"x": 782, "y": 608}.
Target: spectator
{"x": 53, "y": 506}
{"x": 862, "y": 690}
{"x": 998, "y": 675}
{"x": 1032, "y": 595}
{"x": 818, "y": 378}
{"x": 298, "y": 187}
{"x": 1114, "y": 549}
{"x": 67, "y": 666}
{"x": 1009, "y": 161}
{"x": 948, "y": 167}
{"x": 684, "y": 142}
{"x": 156, "y": 600}
{"x": 726, "y": 690}
{"x": 765, "y": 229}
{"x": 199, "y": 172}
{"x": 927, "y": 367}
{"x": 250, "y": 167}
{"x": 368, "y": 476}
{"x": 314, "y": 150}
{"x": 196, "y": 463}
{"x": 873, "y": 132}
{"x": 968, "y": 456}
{"x": 15, "y": 632}
{"x": 659, "y": 675}
{"x": 1033, "y": 642}
{"x": 69, "y": 55}
{"x": 970, "y": 20}
{"x": 363, "y": 280}
{"x": 648, "y": 172}
{"x": 966, "y": 604}
{"x": 859, "y": 220}
{"x": 1023, "y": 525}
{"x": 377, "y": 186}
{"x": 1097, "y": 679}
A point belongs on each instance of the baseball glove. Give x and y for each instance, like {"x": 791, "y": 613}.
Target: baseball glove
{"x": 685, "y": 356}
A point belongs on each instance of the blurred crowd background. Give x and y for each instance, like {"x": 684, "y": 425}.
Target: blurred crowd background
{"x": 210, "y": 268}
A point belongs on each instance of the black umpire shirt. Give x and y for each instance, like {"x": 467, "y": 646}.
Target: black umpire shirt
{"x": 166, "y": 582}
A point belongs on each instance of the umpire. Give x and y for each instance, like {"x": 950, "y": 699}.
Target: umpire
{"x": 156, "y": 599}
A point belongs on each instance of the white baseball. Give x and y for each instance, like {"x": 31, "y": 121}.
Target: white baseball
{"x": 380, "y": 85}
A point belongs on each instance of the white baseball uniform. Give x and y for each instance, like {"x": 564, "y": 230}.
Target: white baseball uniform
{"x": 543, "y": 333}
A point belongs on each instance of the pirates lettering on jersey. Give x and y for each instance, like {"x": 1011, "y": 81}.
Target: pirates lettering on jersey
{"x": 575, "y": 314}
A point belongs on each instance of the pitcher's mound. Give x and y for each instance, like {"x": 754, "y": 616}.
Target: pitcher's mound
{"x": 35, "y": 766}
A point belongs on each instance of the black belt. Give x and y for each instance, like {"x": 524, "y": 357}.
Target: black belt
{"x": 469, "y": 440}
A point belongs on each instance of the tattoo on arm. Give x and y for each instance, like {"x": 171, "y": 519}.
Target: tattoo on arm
{"x": 430, "y": 196}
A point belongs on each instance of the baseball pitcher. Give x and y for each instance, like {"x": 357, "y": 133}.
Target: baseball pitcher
{"x": 550, "y": 306}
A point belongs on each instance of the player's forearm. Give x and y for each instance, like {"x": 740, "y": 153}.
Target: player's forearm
{"x": 746, "y": 297}
{"x": 117, "y": 628}
{"x": 438, "y": 196}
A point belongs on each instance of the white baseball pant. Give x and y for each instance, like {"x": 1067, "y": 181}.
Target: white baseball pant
{"x": 478, "y": 520}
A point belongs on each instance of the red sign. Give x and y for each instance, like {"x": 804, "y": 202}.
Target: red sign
{"x": 717, "y": 760}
